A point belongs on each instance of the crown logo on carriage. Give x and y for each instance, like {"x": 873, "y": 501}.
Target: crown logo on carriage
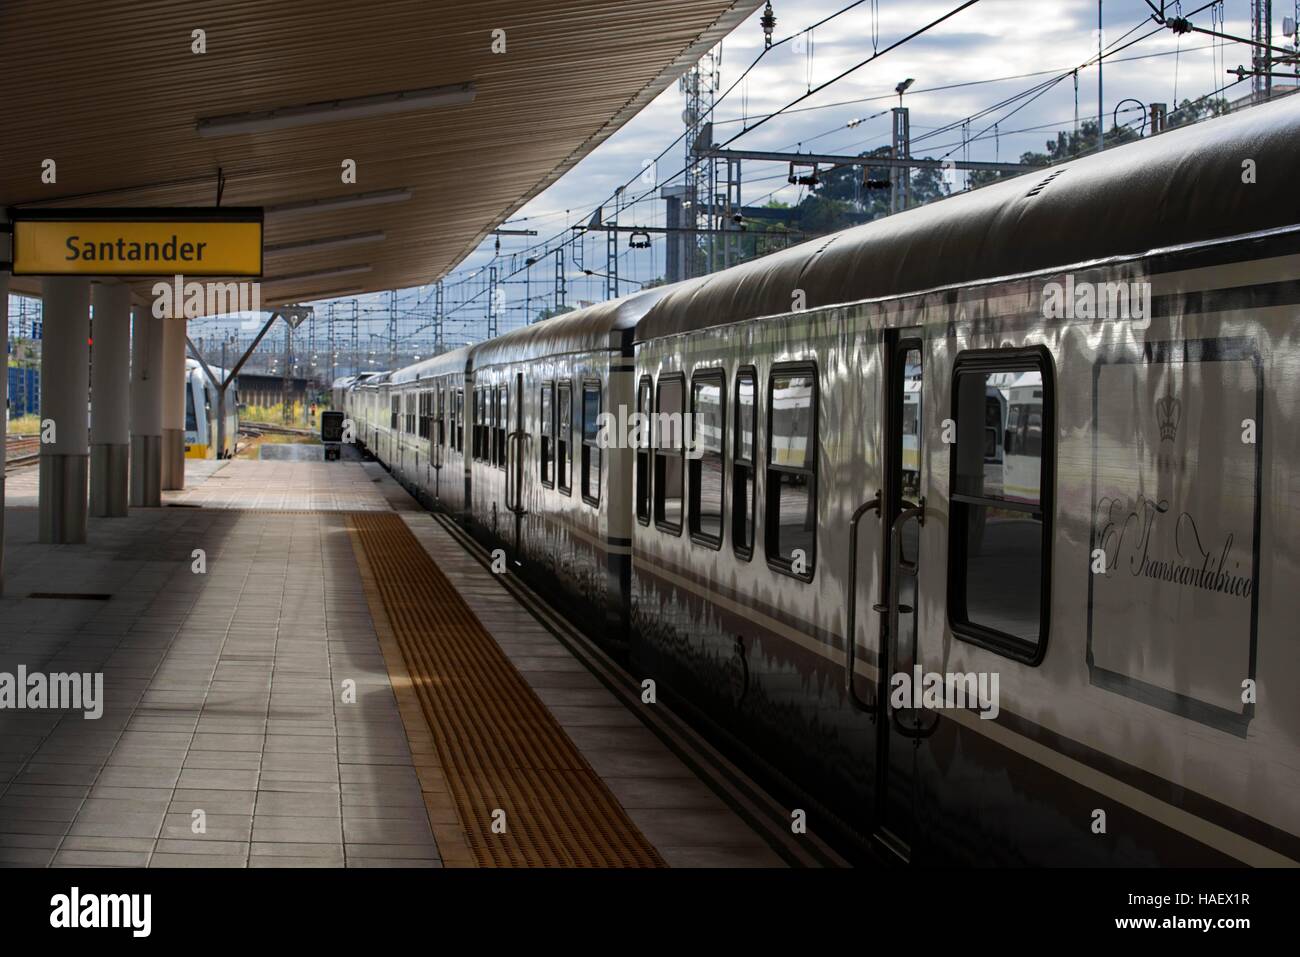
{"x": 1169, "y": 412}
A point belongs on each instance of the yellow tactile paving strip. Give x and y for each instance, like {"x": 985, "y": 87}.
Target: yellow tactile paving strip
{"x": 499, "y": 748}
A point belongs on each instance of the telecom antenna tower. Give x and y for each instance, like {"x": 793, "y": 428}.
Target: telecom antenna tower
{"x": 699, "y": 88}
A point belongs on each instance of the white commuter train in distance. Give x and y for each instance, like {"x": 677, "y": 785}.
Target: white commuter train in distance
{"x": 201, "y": 414}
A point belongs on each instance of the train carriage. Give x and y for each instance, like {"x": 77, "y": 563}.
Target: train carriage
{"x": 428, "y": 400}
{"x": 546, "y": 480}
{"x": 1112, "y": 589}
{"x": 202, "y": 411}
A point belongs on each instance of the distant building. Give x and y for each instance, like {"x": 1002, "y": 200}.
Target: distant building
{"x": 1252, "y": 98}
{"x": 256, "y": 389}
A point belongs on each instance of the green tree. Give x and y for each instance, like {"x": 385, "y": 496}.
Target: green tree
{"x": 1068, "y": 146}
{"x": 1193, "y": 111}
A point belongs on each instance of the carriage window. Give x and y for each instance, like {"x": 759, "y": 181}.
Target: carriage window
{"x": 999, "y": 530}
{"x": 409, "y": 426}
{"x": 790, "y": 511}
{"x": 459, "y": 413}
{"x": 643, "y": 394}
{"x": 742, "y": 468}
{"x": 442, "y": 418}
{"x": 548, "y": 433}
{"x": 492, "y": 425}
{"x": 563, "y": 436}
{"x": 669, "y": 454}
{"x": 707, "y": 434}
{"x": 426, "y": 414}
{"x": 590, "y": 447}
{"x": 503, "y": 418}
{"x": 397, "y": 412}
{"x": 476, "y": 430}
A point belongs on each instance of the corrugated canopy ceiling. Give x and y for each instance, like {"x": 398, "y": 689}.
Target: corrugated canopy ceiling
{"x": 113, "y": 93}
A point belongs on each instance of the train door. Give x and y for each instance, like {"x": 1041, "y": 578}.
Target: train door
{"x": 902, "y": 512}
{"x": 437, "y": 430}
{"x": 516, "y": 446}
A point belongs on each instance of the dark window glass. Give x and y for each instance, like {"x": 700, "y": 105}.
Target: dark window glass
{"x": 791, "y": 507}
{"x": 998, "y": 532}
{"x": 395, "y": 420}
{"x": 705, "y": 456}
{"x": 548, "y": 433}
{"x": 563, "y": 436}
{"x": 742, "y": 469}
{"x": 590, "y": 445}
{"x": 669, "y": 454}
{"x": 503, "y": 424}
{"x": 460, "y": 420}
{"x": 643, "y": 395}
{"x": 425, "y": 419}
{"x": 492, "y": 425}
{"x": 476, "y": 431}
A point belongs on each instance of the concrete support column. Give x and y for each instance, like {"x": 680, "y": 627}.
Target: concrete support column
{"x": 110, "y": 385}
{"x": 4, "y": 419}
{"x": 146, "y": 409}
{"x": 173, "y": 404}
{"x": 65, "y": 382}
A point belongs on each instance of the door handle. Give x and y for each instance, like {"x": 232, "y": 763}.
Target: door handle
{"x": 516, "y": 469}
{"x": 898, "y": 567}
{"x": 851, "y": 612}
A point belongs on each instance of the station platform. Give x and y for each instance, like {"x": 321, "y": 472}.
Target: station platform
{"x": 303, "y": 667}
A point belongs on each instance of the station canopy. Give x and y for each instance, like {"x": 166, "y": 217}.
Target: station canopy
{"x": 449, "y": 137}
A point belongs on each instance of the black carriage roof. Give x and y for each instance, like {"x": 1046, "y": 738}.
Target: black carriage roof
{"x": 1182, "y": 186}
{"x": 603, "y": 326}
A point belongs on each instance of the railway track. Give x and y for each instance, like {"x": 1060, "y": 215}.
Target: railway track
{"x": 21, "y": 450}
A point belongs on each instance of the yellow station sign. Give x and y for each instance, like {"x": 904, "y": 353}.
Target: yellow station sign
{"x": 154, "y": 242}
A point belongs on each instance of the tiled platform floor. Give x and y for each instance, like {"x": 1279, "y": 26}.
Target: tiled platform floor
{"x": 223, "y": 694}
{"x": 225, "y": 690}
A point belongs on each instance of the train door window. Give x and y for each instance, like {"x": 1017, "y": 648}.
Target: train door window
{"x": 1000, "y": 535}
{"x": 440, "y": 436}
{"x": 590, "y": 463}
{"x": 643, "y": 397}
{"x": 564, "y": 436}
{"x": 458, "y": 411}
{"x": 426, "y": 414}
{"x": 480, "y": 430}
{"x": 191, "y": 418}
{"x": 394, "y": 420}
{"x": 742, "y": 468}
{"x": 669, "y": 453}
{"x": 503, "y": 419}
{"x": 548, "y": 434}
{"x": 790, "y": 512}
{"x": 705, "y": 466}
{"x": 411, "y": 399}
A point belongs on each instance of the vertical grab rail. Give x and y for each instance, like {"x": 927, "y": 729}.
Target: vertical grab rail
{"x": 515, "y": 470}
{"x": 851, "y": 622}
{"x": 899, "y": 566}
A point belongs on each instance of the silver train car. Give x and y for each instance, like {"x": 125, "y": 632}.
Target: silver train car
{"x": 1049, "y": 621}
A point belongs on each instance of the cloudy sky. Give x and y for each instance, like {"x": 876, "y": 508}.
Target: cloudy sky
{"x": 962, "y": 68}
{"x": 991, "y": 40}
